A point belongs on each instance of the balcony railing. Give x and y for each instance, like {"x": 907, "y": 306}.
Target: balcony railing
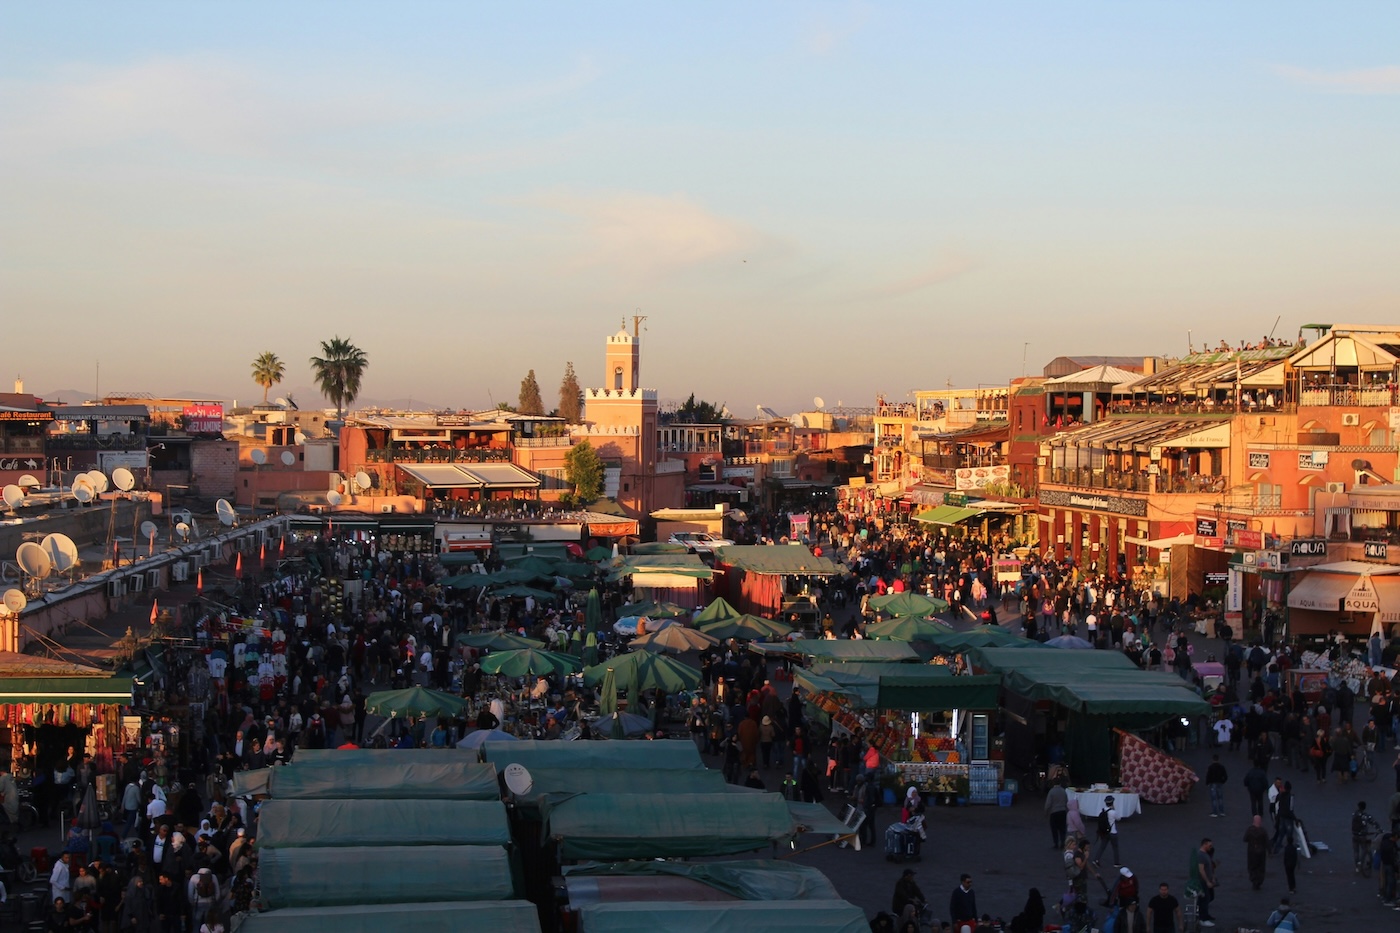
{"x": 954, "y": 462}
{"x": 1348, "y": 396}
{"x": 1205, "y": 407}
{"x": 437, "y": 455}
{"x": 561, "y": 440}
{"x": 86, "y": 441}
{"x": 21, "y": 444}
{"x": 690, "y": 448}
{"x": 1125, "y": 481}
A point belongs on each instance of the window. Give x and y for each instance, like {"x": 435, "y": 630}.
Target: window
{"x": 617, "y": 378}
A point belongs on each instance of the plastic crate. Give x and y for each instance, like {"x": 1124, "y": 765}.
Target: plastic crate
{"x": 1005, "y": 798}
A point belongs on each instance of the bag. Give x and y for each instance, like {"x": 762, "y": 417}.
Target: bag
{"x": 1072, "y": 869}
{"x": 1315, "y": 752}
{"x": 1285, "y": 923}
{"x": 1104, "y": 826}
{"x": 205, "y": 888}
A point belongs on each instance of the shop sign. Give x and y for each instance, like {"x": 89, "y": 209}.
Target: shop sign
{"x": 204, "y": 419}
{"x": 1362, "y": 597}
{"x": 955, "y": 498}
{"x": 746, "y": 472}
{"x": 1268, "y": 560}
{"x": 1217, "y": 577}
{"x": 23, "y": 463}
{"x": 30, "y": 417}
{"x": 1210, "y": 543}
{"x": 1376, "y": 550}
{"x": 1122, "y": 505}
{"x": 1258, "y": 460}
{"x": 979, "y": 477}
{"x": 1244, "y": 537}
{"x": 1308, "y": 547}
{"x": 1207, "y": 527}
{"x": 1312, "y": 460}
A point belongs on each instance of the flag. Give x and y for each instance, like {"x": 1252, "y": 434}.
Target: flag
{"x": 155, "y": 610}
{"x": 199, "y": 582}
{"x": 238, "y": 566}
{"x": 281, "y": 546}
{"x": 262, "y": 552}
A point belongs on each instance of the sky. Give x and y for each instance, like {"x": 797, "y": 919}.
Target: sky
{"x": 803, "y": 199}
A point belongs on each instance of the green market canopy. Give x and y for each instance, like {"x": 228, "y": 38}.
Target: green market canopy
{"x": 497, "y": 916}
{"x": 744, "y": 879}
{"x": 383, "y": 875}
{"x": 559, "y": 782}
{"x": 746, "y": 627}
{"x": 462, "y": 779}
{"x": 917, "y": 688}
{"x": 498, "y": 641}
{"x": 321, "y": 823}
{"x": 644, "y": 670}
{"x": 717, "y": 611}
{"x": 418, "y": 702}
{"x": 908, "y": 628}
{"x": 983, "y": 636}
{"x": 631, "y": 756}
{"x": 768, "y": 916}
{"x": 777, "y": 559}
{"x": 822, "y": 649}
{"x": 908, "y": 604}
{"x": 664, "y": 825}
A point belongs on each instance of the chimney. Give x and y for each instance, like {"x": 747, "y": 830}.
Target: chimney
{"x": 1149, "y": 365}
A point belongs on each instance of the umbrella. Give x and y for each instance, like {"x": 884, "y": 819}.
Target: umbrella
{"x": 675, "y": 638}
{"x": 644, "y": 670}
{"x": 907, "y": 628}
{"x": 415, "y": 701}
{"x": 524, "y": 662}
{"x": 88, "y": 817}
{"x": 590, "y": 649}
{"x": 653, "y": 610}
{"x": 593, "y": 611}
{"x": 467, "y": 581}
{"x": 598, "y": 554}
{"x": 607, "y": 702}
{"x": 498, "y": 641}
{"x": 1068, "y": 641}
{"x": 520, "y": 592}
{"x": 477, "y": 737}
{"x": 622, "y": 725}
{"x": 717, "y": 611}
{"x": 908, "y": 604}
{"x": 747, "y": 627}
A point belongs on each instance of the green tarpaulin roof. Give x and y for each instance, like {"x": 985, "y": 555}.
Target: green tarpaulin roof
{"x": 656, "y": 547}
{"x": 922, "y": 688}
{"x": 1100, "y": 683}
{"x": 946, "y": 515}
{"x": 101, "y": 691}
{"x": 823, "y": 649}
{"x": 496, "y": 916}
{"x": 383, "y": 875}
{"x": 427, "y": 780}
{"x": 664, "y": 825}
{"x": 816, "y": 818}
{"x": 667, "y": 755}
{"x": 368, "y": 756}
{"x": 775, "y": 559}
{"x": 983, "y": 636}
{"x": 686, "y": 565}
{"x": 768, "y": 916}
{"x": 314, "y": 823}
{"x": 597, "y": 780}
{"x": 745, "y": 879}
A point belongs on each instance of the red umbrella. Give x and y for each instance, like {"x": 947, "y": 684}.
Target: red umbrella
{"x": 347, "y": 745}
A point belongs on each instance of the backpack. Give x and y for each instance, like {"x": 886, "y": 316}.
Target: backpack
{"x": 1285, "y": 923}
{"x": 1072, "y": 869}
{"x": 1104, "y": 826}
{"x": 205, "y": 888}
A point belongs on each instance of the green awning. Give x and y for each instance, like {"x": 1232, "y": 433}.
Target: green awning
{"x": 947, "y": 515}
{"x": 597, "y": 780}
{"x": 746, "y": 879}
{"x": 915, "y": 688}
{"x": 668, "y": 755}
{"x": 709, "y": 917}
{"x": 664, "y": 825}
{"x": 383, "y": 875}
{"x": 416, "y": 780}
{"x": 319, "y": 823}
{"x": 776, "y": 559}
{"x": 99, "y": 691}
{"x": 1093, "y": 683}
{"x": 816, "y": 818}
{"x": 983, "y": 636}
{"x": 823, "y": 649}
{"x": 496, "y": 916}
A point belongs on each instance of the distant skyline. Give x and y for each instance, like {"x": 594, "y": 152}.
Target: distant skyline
{"x": 834, "y": 199}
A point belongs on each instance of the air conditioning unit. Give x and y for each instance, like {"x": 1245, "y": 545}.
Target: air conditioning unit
{"x": 1336, "y": 487}
{"x": 387, "y": 509}
{"x": 135, "y": 583}
{"x": 153, "y": 579}
{"x": 116, "y": 589}
{"x": 199, "y": 561}
{"x": 180, "y": 515}
{"x": 1350, "y": 419}
{"x": 180, "y": 571}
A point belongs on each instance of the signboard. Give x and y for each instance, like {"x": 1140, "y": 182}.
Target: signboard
{"x": 1217, "y": 577}
{"x": 1095, "y": 502}
{"x": 1258, "y": 460}
{"x": 1312, "y": 460}
{"x": 1268, "y": 560}
{"x": 109, "y": 460}
{"x": 23, "y": 463}
{"x": 453, "y": 421}
{"x": 204, "y": 419}
{"x": 738, "y": 472}
{"x": 1243, "y": 537}
{"x": 29, "y": 417}
{"x": 1207, "y": 527}
{"x": 979, "y": 477}
{"x": 954, "y": 498}
{"x": 1376, "y": 550}
{"x": 1362, "y": 597}
{"x": 1210, "y": 543}
{"x": 1308, "y": 547}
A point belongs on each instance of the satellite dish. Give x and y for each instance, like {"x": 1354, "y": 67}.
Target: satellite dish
{"x": 98, "y": 480}
{"x": 226, "y": 514}
{"x": 362, "y": 480}
{"x": 15, "y": 601}
{"x": 760, "y": 408}
{"x": 82, "y": 491}
{"x": 819, "y": 402}
{"x": 123, "y": 479}
{"x": 288, "y": 458}
{"x": 14, "y": 496}
{"x": 259, "y": 456}
{"x": 183, "y": 531}
{"x": 334, "y": 498}
{"x": 282, "y": 403}
{"x": 27, "y": 481}
{"x": 33, "y": 560}
{"x": 518, "y": 780}
{"x": 148, "y": 530}
{"x": 299, "y": 438}
{"x": 63, "y": 553}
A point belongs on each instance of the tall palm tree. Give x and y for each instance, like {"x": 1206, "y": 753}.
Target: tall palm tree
{"x": 268, "y": 370}
{"x": 338, "y": 371}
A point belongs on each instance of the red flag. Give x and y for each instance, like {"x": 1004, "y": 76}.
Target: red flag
{"x": 238, "y": 566}
{"x": 199, "y": 582}
{"x": 155, "y": 610}
{"x": 281, "y": 546}
{"x": 262, "y": 552}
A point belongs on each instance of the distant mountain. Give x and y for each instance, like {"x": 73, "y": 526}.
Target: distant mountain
{"x": 66, "y": 396}
{"x": 306, "y": 397}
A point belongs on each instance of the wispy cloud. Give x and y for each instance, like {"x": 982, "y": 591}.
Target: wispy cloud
{"x": 936, "y": 273}
{"x": 825, "y": 33}
{"x": 1382, "y": 80}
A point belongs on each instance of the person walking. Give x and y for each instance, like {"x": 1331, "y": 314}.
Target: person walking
{"x": 1216, "y": 776}
{"x": 1107, "y": 830}
{"x": 1164, "y": 912}
{"x": 1256, "y": 851}
{"x": 908, "y": 898}
{"x": 962, "y": 904}
{"x": 1290, "y": 862}
{"x": 1057, "y": 807}
{"x": 1256, "y": 781}
{"x": 1283, "y": 919}
{"x": 1283, "y": 813}
{"x": 1203, "y": 881}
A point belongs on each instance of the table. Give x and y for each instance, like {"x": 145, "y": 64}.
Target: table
{"x": 1091, "y": 802}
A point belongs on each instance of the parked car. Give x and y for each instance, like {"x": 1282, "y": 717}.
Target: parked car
{"x": 699, "y": 542}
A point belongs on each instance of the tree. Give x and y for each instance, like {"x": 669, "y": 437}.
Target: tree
{"x": 693, "y": 412}
{"x": 570, "y": 396}
{"x": 584, "y": 468}
{"x": 338, "y": 371}
{"x": 530, "y": 401}
{"x": 268, "y": 370}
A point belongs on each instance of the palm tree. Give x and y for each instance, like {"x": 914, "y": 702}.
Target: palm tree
{"x": 338, "y": 371}
{"x": 268, "y": 371}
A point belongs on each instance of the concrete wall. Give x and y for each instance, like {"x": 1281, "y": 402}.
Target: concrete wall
{"x": 86, "y": 526}
{"x": 214, "y": 468}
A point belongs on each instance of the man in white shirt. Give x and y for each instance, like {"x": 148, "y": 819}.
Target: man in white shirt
{"x": 1223, "y": 727}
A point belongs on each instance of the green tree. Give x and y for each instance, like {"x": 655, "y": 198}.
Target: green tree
{"x": 584, "y": 468}
{"x": 530, "y": 401}
{"x": 338, "y": 371}
{"x": 570, "y": 396}
{"x": 693, "y": 412}
{"x": 268, "y": 370}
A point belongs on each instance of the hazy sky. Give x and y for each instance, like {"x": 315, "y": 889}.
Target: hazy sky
{"x": 807, "y": 198}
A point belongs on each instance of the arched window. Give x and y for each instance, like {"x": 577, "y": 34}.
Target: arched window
{"x": 617, "y": 378}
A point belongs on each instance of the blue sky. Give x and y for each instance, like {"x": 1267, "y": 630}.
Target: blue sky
{"x": 804, "y": 199}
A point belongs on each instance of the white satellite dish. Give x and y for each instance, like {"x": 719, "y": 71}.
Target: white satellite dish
{"x": 27, "y": 481}
{"x": 258, "y": 456}
{"x": 123, "y": 479}
{"x": 63, "y": 553}
{"x": 33, "y": 560}
{"x": 819, "y": 402}
{"x": 225, "y": 511}
{"x": 299, "y": 438}
{"x": 183, "y": 531}
{"x": 362, "y": 480}
{"x": 288, "y": 458}
{"x": 98, "y": 480}
{"x": 282, "y": 403}
{"x": 334, "y": 498}
{"x": 14, "y": 496}
{"x": 148, "y": 530}
{"x": 15, "y": 601}
{"x": 518, "y": 780}
{"x": 82, "y": 491}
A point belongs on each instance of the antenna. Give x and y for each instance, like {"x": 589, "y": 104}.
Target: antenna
{"x": 82, "y": 490}
{"x": 282, "y": 402}
{"x": 518, "y": 780}
{"x": 183, "y": 531}
{"x": 258, "y": 456}
{"x": 27, "y": 481}
{"x": 227, "y": 516}
{"x": 149, "y": 530}
{"x": 33, "y": 560}
{"x": 819, "y": 402}
{"x": 98, "y": 480}
{"x": 123, "y": 479}
{"x": 14, "y": 496}
{"x": 15, "y": 601}
{"x": 300, "y": 438}
{"x": 334, "y": 498}
{"x": 61, "y": 551}
{"x": 362, "y": 480}
{"x": 288, "y": 458}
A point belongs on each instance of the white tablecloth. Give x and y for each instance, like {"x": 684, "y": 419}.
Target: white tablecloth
{"x": 1091, "y": 802}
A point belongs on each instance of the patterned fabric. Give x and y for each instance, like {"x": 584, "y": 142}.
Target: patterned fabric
{"x": 1151, "y": 773}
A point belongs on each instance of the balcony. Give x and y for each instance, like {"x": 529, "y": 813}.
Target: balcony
{"x": 955, "y": 462}
{"x": 1348, "y": 396}
{"x": 437, "y": 455}
{"x": 1124, "y": 481}
{"x": 561, "y": 440}
{"x": 85, "y": 441}
{"x": 690, "y": 448}
{"x": 22, "y": 444}
{"x": 1200, "y": 407}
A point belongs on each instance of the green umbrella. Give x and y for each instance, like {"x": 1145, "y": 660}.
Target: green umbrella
{"x": 520, "y": 592}
{"x": 593, "y": 611}
{"x": 498, "y": 641}
{"x": 525, "y": 662}
{"x": 908, "y": 604}
{"x": 643, "y": 670}
{"x": 653, "y": 610}
{"x": 674, "y": 638}
{"x": 908, "y": 628}
{"x": 607, "y": 701}
{"x": 598, "y": 554}
{"x": 717, "y": 611}
{"x": 748, "y": 628}
{"x": 415, "y": 701}
{"x": 590, "y": 649}
{"x": 468, "y": 581}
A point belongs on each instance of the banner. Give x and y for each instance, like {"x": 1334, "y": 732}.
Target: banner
{"x": 204, "y": 419}
{"x": 978, "y": 477}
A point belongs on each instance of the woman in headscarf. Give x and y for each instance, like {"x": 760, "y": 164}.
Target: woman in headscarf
{"x": 1256, "y": 851}
{"x": 205, "y": 830}
{"x": 1031, "y": 919}
{"x": 1074, "y": 823}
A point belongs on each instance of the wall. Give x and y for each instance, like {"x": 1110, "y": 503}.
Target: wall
{"x": 86, "y": 526}
{"x": 213, "y": 468}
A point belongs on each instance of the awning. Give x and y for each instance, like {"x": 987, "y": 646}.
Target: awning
{"x": 1388, "y": 593}
{"x": 501, "y": 476}
{"x": 1323, "y": 591}
{"x": 496, "y": 916}
{"x": 947, "y": 515}
{"x": 1161, "y": 543}
{"x": 440, "y": 476}
{"x": 101, "y": 691}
